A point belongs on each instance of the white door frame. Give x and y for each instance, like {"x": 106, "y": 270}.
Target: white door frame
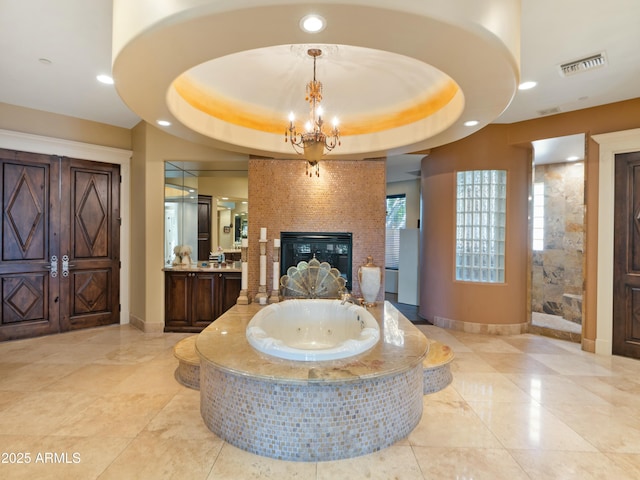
{"x": 610, "y": 145}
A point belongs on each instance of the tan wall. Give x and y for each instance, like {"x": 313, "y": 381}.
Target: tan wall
{"x": 36, "y": 122}
{"x": 411, "y": 188}
{"x": 137, "y": 303}
{"x": 152, "y": 148}
{"x": 592, "y": 121}
{"x": 349, "y": 196}
{"x": 441, "y": 295}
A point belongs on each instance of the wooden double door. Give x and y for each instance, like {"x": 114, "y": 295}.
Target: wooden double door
{"x": 59, "y": 259}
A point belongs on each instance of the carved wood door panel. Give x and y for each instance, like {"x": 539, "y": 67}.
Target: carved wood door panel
{"x": 29, "y": 237}
{"x": 89, "y": 289}
{"x": 626, "y": 288}
{"x": 59, "y": 265}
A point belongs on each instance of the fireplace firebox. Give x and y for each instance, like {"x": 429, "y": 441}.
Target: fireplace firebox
{"x": 331, "y": 247}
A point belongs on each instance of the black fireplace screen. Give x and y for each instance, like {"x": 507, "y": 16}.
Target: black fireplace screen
{"x": 333, "y": 248}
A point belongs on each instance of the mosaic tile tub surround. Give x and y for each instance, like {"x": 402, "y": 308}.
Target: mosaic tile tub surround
{"x": 311, "y": 411}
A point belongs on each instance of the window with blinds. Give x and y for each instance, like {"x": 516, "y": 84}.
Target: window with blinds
{"x": 480, "y": 225}
{"x": 396, "y": 220}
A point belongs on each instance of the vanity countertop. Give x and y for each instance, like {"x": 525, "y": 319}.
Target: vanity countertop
{"x": 196, "y": 268}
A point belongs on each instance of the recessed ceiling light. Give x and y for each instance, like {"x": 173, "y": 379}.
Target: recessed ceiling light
{"x": 163, "y": 123}
{"x": 106, "y": 79}
{"x": 312, "y": 23}
{"x": 471, "y": 123}
{"x": 527, "y": 85}
{"x": 573, "y": 158}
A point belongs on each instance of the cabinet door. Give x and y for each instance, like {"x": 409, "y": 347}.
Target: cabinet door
{"x": 177, "y": 301}
{"x": 228, "y": 290}
{"x": 203, "y": 298}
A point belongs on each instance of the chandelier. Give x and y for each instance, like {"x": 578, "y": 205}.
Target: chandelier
{"x": 313, "y": 142}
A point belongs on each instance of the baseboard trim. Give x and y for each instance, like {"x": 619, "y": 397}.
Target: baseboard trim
{"x": 484, "y": 328}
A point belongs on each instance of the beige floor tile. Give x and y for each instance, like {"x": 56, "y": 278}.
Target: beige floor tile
{"x": 469, "y": 362}
{"x": 451, "y": 424}
{"x": 397, "y": 462}
{"x": 609, "y": 428}
{"x": 149, "y": 456}
{"x": 466, "y": 463}
{"x": 93, "y": 378}
{"x": 529, "y": 426}
{"x": 443, "y": 336}
{"x": 22, "y": 352}
{"x": 616, "y": 390}
{"x": 181, "y": 419}
{"x": 132, "y": 354}
{"x": 115, "y": 415}
{"x": 528, "y": 343}
{"x": 484, "y": 343}
{"x": 35, "y": 376}
{"x": 109, "y": 393}
{"x": 555, "y": 389}
{"x": 149, "y": 378}
{"x": 42, "y": 413}
{"x": 9, "y": 399}
{"x": 61, "y": 457}
{"x": 570, "y": 465}
{"x": 630, "y": 463}
{"x": 572, "y": 364}
{"x": 488, "y": 387}
{"x": 515, "y": 363}
{"x": 236, "y": 464}
{"x": 79, "y": 354}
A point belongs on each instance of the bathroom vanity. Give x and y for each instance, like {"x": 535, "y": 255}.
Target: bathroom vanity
{"x": 195, "y": 297}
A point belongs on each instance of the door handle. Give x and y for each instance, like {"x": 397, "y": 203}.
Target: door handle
{"x": 66, "y": 265}
{"x": 53, "y": 266}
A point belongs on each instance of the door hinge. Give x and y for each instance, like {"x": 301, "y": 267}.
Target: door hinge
{"x": 120, "y": 178}
{"x": 120, "y": 264}
{"x": 119, "y": 307}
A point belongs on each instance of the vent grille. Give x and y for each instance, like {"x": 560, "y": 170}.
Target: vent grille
{"x": 549, "y": 111}
{"x": 582, "y": 65}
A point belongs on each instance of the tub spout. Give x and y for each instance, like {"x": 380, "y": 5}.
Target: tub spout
{"x": 346, "y": 297}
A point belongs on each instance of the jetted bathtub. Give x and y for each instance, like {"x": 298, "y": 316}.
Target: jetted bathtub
{"x": 313, "y": 330}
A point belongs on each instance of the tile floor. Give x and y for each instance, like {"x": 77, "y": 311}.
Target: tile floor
{"x": 103, "y": 403}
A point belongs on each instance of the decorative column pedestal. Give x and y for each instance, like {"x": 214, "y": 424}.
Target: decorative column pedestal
{"x": 275, "y": 292}
{"x": 243, "y": 299}
{"x": 261, "y": 296}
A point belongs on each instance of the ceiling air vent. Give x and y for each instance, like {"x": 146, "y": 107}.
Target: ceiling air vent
{"x": 549, "y": 111}
{"x": 582, "y": 65}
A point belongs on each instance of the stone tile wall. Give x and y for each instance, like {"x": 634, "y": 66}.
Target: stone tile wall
{"x": 558, "y": 274}
{"x": 349, "y": 196}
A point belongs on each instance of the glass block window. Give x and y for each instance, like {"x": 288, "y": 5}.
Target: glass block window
{"x": 396, "y": 220}
{"x": 480, "y": 225}
{"x": 538, "y": 216}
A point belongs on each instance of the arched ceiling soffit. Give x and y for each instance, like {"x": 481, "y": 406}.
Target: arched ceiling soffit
{"x": 400, "y": 79}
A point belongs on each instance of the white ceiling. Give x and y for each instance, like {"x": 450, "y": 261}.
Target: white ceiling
{"x": 75, "y": 37}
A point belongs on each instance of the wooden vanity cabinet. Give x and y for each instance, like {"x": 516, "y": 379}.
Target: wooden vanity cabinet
{"x": 195, "y": 299}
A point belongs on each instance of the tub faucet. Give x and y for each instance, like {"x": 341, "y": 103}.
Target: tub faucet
{"x": 346, "y": 297}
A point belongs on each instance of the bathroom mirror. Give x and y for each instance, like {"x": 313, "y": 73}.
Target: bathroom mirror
{"x": 206, "y": 208}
